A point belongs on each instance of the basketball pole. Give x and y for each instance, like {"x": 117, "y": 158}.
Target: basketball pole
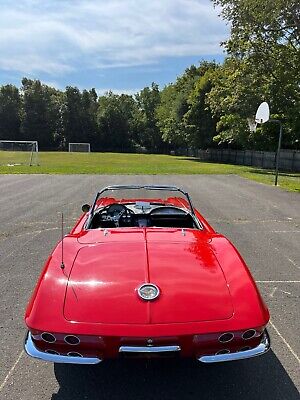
{"x": 263, "y": 115}
{"x": 278, "y": 148}
{"x": 260, "y": 121}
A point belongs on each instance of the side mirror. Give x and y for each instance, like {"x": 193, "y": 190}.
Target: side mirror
{"x": 86, "y": 208}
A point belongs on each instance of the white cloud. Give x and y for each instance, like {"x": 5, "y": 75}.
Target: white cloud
{"x": 52, "y": 84}
{"x": 60, "y": 36}
{"x": 103, "y": 91}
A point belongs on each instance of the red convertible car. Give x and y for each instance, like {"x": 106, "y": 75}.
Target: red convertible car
{"x": 143, "y": 274}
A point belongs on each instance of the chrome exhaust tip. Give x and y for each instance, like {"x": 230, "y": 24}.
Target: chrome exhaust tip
{"x": 223, "y": 351}
{"x": 226, "y": 337}
{"x": 74, "y": 354}
{"x": 245, "y": 348}
{"x": 72, "y": 340}
{"x": 249, "y": 334}
{"x": 50, "y": 351}
{"x": 48, "y": 337}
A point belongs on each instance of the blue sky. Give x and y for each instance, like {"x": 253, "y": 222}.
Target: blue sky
{"x": 119, "y": 45}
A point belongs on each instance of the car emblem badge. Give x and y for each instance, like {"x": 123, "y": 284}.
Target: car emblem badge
{"x": 148, "y": 291}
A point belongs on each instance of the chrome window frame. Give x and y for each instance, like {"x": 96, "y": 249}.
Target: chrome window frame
{"x": 146, "y": 187}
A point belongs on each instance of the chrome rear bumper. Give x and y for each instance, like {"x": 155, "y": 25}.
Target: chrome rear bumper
{"x": 262, "y": 348}
{"x": 32, "y": 351}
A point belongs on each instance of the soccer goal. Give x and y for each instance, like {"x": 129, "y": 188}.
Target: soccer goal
{"x": 18, "y": 152}
{"x": 79, "y": 147}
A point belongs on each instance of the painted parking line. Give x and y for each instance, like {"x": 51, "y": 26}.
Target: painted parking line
{"x": 11, "y": 370}
{"x": 37, "y": 232}
{"x": 293, "y": 262}
{"x": 292, "y": 351}
{"x": 290, "y": 231}
{"x": 285, "y": 341}
{"x": 287, "y": 257}
{"x": 277, "y": 281}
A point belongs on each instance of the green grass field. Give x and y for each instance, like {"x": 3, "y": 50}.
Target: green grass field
{"x": 115, "y": 163}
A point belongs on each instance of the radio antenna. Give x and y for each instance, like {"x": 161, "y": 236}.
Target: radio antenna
{"x": 62, "y": 265}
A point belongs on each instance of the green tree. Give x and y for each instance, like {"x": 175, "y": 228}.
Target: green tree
{"x": 199, "y": 121}
{"x": 10, "y": 112}
{"x": 41, "y": 118}
{"x": 72, "y": 116}
{"x": 184, "y": 117}
{"x": 236, "y": 91}
{"x": 89, "y": 109}
{"x": 264, "y": 51}
{"x": 148, "y": 100}
{"x": 115, "y": 120}
{"x": 169, "y": 115}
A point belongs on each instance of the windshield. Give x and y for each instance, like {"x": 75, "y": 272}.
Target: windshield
{"x": 142, "y": 206}
{"x": 146, "y": 193}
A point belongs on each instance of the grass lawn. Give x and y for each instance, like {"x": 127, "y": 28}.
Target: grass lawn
{"x": 115, "y": 163}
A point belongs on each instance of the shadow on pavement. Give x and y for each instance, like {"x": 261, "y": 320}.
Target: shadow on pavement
{"x": 258, "y": 378}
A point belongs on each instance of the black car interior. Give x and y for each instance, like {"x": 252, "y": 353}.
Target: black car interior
{"x": 118, "y": 215}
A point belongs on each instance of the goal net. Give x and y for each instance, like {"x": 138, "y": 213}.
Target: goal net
{"x": 18, "y": 152}
{"x": 79, "y": 147}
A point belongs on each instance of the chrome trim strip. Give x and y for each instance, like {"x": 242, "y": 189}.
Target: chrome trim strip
{"x": 32, "y": 351}
{"x": 148, "y": 349}
{"x": 262, "y": 348}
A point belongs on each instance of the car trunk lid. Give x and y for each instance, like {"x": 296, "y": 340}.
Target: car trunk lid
{"x": 192, "y": 283}
{"x": 102, "y": 286}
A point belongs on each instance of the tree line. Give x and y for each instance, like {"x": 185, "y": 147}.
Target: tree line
{"x": 209, "y": 105}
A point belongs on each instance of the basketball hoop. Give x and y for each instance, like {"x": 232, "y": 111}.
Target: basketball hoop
{"x": 262, "y": 113}
{"x": 252, "y": 124}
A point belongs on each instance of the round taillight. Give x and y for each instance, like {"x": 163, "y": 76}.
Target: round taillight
{"x": 72, "y": 340}
{"x": 226, "y": 337}
{"x": 48, "y": 337}
{"x": 74, "y": 354}
{"x": 249, "y": 334}
{"x": 223, "y": 351}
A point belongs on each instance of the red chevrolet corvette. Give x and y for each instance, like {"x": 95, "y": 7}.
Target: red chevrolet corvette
{"x": 143, "y": 274}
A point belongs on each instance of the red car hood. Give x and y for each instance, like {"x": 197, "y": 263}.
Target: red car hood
{"x": 102, "y": 286}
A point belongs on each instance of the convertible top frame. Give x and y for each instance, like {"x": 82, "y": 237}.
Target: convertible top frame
{"x": 146, "y": 187}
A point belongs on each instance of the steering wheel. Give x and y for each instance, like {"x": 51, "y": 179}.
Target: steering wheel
{"x": 114, "y": 212}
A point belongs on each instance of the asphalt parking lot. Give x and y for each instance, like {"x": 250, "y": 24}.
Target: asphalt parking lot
{"x": 262, "y": 221}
